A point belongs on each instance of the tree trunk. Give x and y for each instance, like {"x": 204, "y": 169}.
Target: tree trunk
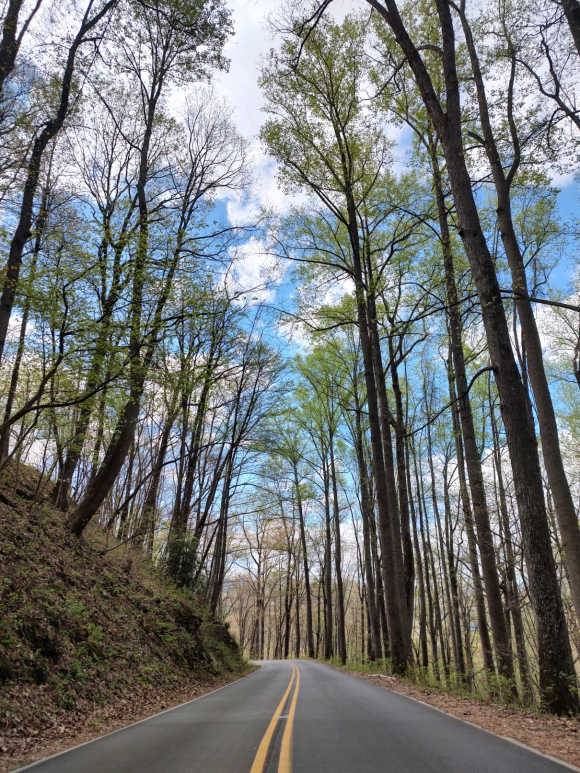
{"x": 455, "y": 644}
{"x": 404, "y": 494}
{"x": 309, "y": 632}
{"x": 389, "y": 580}
{"x": 147, "y": 522}
{"x": 572, "y": 12}
{"x": 431, "y": 606}
{"x": 287, "y": 609}
{"x": 511, "y": 568}
{"x": 391, "y": 487}
{"x": 328, "y": 628}
{"x": 340, "y": 622}
{"x": 421, "y": 581}
{"x": 298, "y": 634}
{"x": 10, "y": 43}
{"x": 472, "y": 456}
{"x": 62, "y": 488}
{"x": 366, "y": 514}
{"x": 532, "y": 346}
{"x": 487, "y": 655}
{"x": 453, "y": 584}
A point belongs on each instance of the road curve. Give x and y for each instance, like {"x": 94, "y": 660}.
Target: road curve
{"x": 300, "y": 717}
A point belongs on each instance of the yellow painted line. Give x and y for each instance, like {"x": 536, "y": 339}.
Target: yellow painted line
{"x": 285, "y": 765}
{"x": 262, "y": 753}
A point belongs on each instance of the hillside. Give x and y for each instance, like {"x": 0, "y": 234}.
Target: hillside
{"x": 89, "y": 639}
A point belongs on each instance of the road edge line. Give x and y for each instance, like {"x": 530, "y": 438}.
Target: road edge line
{"x": 132, "y": 724}
{"x": 490, "y": 732}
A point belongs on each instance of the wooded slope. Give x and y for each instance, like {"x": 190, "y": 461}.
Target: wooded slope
{"x": 82, "y": 628}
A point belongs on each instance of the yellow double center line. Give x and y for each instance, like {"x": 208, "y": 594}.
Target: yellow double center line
{"x": 285, "y": 763}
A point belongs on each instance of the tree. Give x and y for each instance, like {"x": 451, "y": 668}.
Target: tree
{"x": 90, "y": 23}
{"x": 328, "y": 145}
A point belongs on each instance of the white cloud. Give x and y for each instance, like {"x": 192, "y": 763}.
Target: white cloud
{"x": 254, "y": 274}
{"x": 265, "y": 194}
{"x": 562, "y": 180}
{"x": 14, "y": 325}
{"x": 341, "y": 287}
{"x": 252, "y": 40}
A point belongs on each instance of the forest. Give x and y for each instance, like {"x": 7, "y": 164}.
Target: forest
{"x": 347, "y": 423}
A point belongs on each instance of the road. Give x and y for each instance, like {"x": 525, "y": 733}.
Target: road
{"x": 300, "y": 717}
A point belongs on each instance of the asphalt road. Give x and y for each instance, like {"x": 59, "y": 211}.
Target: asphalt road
{"x": 300, "y": 717}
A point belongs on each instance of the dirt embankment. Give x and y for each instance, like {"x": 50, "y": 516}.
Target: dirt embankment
{"x": 90, "y": 640}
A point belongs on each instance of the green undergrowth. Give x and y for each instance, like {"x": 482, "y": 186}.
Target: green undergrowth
{"x": 496, "y": 690}
{"x": 81, "y": 627}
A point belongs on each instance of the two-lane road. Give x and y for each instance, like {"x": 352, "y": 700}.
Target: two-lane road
{"x": 300, "y": 717}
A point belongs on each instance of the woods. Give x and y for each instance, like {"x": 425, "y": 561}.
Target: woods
{"x": 347, "y": 423}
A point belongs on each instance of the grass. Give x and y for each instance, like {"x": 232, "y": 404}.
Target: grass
{"x": 497, "y": 690}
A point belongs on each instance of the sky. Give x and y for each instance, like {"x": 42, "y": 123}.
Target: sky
{"x": 245, "y": 49}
